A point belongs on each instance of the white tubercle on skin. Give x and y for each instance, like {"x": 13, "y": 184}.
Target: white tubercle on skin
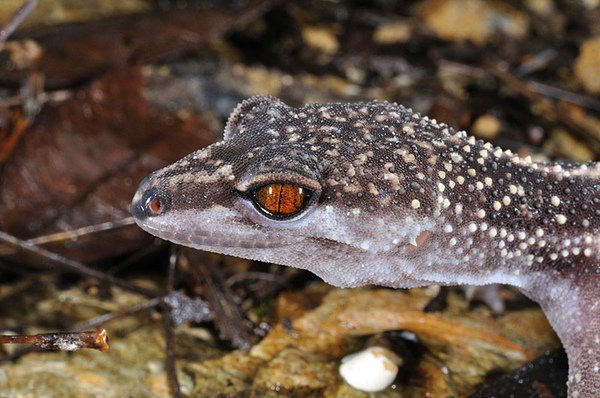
{"x": 371, "y": 370}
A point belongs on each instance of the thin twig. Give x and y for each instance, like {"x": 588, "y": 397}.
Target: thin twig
{"x": 541, "y": 96}
{"x": 71, "y": 235}
{"x": 549, "y": 91}
{"x": 537, "y": 62}
{"x": 67, "y": 265}
{"x": 15, "y": 20}
{"x": 229, "y": 317}
{"x": 171, "y": 365}
{"x": 69, "y": 341}
{"x": 57, "y": 96}
{"x": 249, "y": 276}
{"x": 525, "y": 86}
{"x": 86, "y": 325}
{"x": 111, "y": 316}
{"x": 134, "y": 258}
{"x": 172, "y": 267}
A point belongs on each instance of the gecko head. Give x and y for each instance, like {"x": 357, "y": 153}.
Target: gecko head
{"x": 247, "y": 191}
{"x": 286, "y": 185}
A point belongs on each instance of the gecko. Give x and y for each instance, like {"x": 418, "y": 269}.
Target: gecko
{"x": 374, "y": 193}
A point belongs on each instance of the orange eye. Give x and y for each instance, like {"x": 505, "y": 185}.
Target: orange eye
{"x": 281, "y": 199}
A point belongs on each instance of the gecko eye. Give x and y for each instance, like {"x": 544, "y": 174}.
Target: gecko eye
{"x": 281, "y": 200}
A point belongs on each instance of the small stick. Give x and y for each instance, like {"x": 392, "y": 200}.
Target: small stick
{"x": 69, "y": 265}
{"x": 15, "y": 20}
{"x": 253, "y": 275}
{"x": 89, "y": 324}
{"x": 112, "y": 316}
{"x": 549, "y": 91}
{"x": 169, "y": 326}
{"x": 72, "y": 234}
{"x": 69, "y": 341}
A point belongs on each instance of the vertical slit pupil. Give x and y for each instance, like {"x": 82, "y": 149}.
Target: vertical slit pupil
{"x": 280, "y": 199}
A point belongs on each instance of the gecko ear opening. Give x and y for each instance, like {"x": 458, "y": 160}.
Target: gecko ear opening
{"x": 244, "y": 108}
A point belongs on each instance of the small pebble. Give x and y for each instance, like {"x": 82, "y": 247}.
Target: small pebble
{"x": 487, "y": 127}
{"x": 371, "y": 370}
{"x": 392, "y": 33}
{"x": 587, "y": 65}
{"x": 321, "y": 39}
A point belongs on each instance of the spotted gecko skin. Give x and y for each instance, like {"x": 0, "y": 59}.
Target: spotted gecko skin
{"x": 397, "y": 200}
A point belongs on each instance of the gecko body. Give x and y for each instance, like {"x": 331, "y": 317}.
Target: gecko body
{"x": 372, "y": 193}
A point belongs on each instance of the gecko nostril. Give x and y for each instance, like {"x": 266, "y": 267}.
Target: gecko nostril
{"x": 152, "y": 204}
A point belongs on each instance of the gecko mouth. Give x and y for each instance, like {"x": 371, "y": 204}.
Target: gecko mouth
{"x": 202, "y": 238}
{"x": 206, "y": 240}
